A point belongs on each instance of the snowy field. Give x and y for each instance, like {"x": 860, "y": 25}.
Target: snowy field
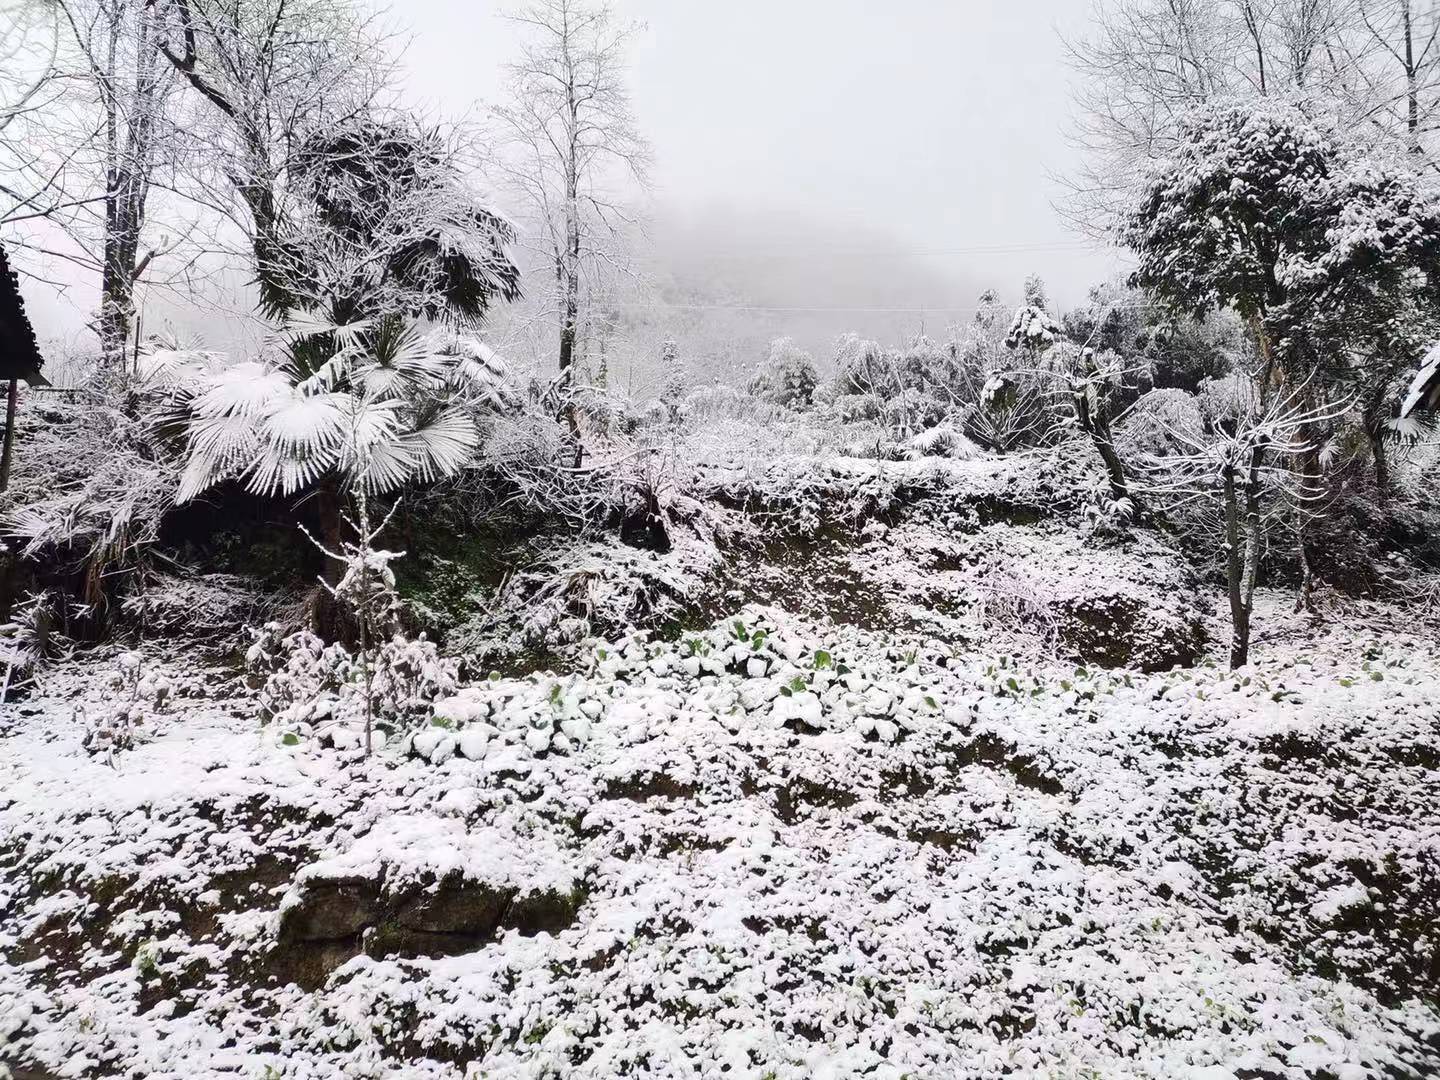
{"x": 776, "y": 849}
{"x": 527, "y": 556}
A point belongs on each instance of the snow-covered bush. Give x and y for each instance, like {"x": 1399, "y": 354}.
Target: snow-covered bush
{"x": 1162, "y": 422}
{"x": 708, "y": 404}
{"x": 578, "y": 589}
{"x": 27, "y": 639}
{"x": 205, "y": 607}
{"x": 136, "y": 697}
{"x": 1033, "y": 329}
{"x": 91, "y": 484}
{"x": 863, "y": 368}
{"x": 372, "y": 405}
{"x": 787, "y": 377}
{"x": 942, "y": 440}
{"x": 311, "y": 688}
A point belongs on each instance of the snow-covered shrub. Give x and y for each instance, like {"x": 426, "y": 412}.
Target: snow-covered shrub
{"x": 800, "y": 496}
{"x": 137, "y": 696}
{"x": 579, "y": 589}
{"x": 721, "y": 402}
{"x": 373, "y": 404}
{"x": 207, "y": 607}
{"x": 787, "y": 376}
{"x": 1226, "y": 401}
{"x": 943, "y": 440}
{"x": 1160, "y": 423}
{"x": 863, "y": 368}
{"x": 311, "y": 688}
{"x": 1033, "y": 329}
{"x": 92, "y": 481}
{"x": 853, "y": 408}
{"x": 26, "y": 639}
{"x": 1103, "y": 515}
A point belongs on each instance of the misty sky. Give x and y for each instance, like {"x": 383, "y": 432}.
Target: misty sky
{"x": 884, "y": 161}
{"x": 881, "y": 140}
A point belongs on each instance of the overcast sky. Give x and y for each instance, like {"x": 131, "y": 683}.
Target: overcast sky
{"x": 889, "y": 136}
{"x": 845, "y": 154}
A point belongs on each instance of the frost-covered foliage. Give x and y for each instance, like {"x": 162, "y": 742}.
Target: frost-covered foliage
{"x": 925, "y": 393}
{"x": 27, "y": 639}
{"x": 310, "y": 688}
{"x": 672, "y": 377}
{"x": 579, "y": 589}
{"x": 1267, "y": 212}
{"x": 1033, "y": 329}
{"x": 1161, "y": 422}
{"x": 711, "y": 403}
{"x": 92, "y": 482}
{"x": 382, "y": 221}
{"x": 136, "y": 696}
{"x": 787, "y": 376}
{"x": 370, "y": 406}
{"x": 208, "y": 608}
{"x": 942, "y": 440}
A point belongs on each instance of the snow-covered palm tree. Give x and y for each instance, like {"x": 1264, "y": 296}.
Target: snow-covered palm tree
{"x": 369, "y": 406}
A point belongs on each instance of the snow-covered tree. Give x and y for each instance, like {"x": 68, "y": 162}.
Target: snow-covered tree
{"x": 269, "y": 76}
{"x": 1424, "y": 389}
{"x": 672, "y": 376}
{"x": 1238, "y": 474}
{"x": 787, "y": 377}
{"x": 1091, "y": 378}
{"x": 571, "y": 145}
{"x": 388, "y": 406}
{"x": 1313, "y": 241}
{"x": 385, "y": 223}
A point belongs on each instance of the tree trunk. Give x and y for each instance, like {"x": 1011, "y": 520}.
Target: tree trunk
{"x": 1096, "y": 424}
{"x": 326, "y": 617}
{"x": 1382, "y": 462}
{"x": 1305, "y": 598}
{"x": 569, "y": 315}
{"x": 117, "y": 294}
{"x": 129, "y": 163}
{"x": 7, "y": 454}
{"x": 1235, "y": 573}
{"x": 1242, "y": 549}
{"x": 1412, "y": 88}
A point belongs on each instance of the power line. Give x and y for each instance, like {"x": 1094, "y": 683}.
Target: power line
{"x": 1063, "y": 247}
{"x": 937, "y": 309}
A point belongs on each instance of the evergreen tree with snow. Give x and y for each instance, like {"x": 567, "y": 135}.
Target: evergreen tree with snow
{"x": 19, "y": 356}
{"x": 672, "y": 376}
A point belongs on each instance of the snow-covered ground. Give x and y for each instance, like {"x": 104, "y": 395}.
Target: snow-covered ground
{"x": 775, "y": 849}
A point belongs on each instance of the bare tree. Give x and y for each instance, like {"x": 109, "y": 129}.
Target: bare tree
{"x": 1144, "y": 64}
{"x": 1400, "y": 67}
{"x": 29, "y": 48}
{"x": 117, "y": 109}
{"x": 272, "y": 73}
{"x": 571, "y": 145}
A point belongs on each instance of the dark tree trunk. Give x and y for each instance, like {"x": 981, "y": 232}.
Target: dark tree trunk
{"x": 327, "y": 617}
{"x": 1380, "y": 455}
{"x": 7, "y": 454}
{"x": 1096, "y": 424}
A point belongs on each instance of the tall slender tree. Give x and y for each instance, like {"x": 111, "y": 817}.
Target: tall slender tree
{"x": 572, "y": 147}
